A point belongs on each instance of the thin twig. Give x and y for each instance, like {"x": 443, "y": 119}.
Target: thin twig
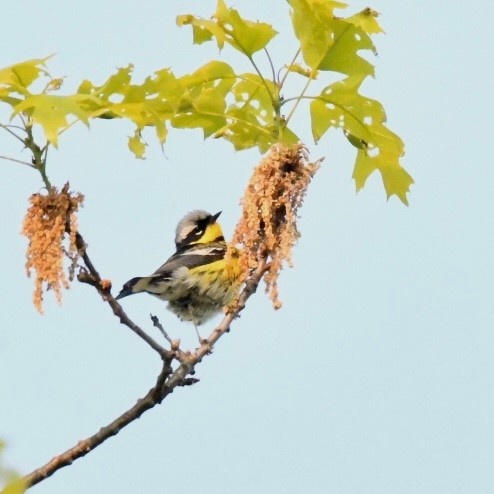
{"x": 157, "y": 324}
{"x": 7, "y": 128}
{"x": 17, "y": 161}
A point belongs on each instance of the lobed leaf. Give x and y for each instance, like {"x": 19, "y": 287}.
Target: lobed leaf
{"x": 245, "y": 36}
{"x": 51, "y": 112}
{"x": 151, "y": 103}
{"x": 18, "y": 77}
{"x": 227, "y": 26}
{"x": 342, "y": 55}
{"x": 362, "y": 121}
{"x": 328, "y": 42}
{"x": 367, "y": 21}
{"x": 203, "y": 29}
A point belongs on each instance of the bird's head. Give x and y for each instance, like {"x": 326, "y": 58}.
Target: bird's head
{"x": 198, "y": 227}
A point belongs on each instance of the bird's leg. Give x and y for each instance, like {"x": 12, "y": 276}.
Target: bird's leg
{"x": 197, "y": 332}
{"x": 195, "y": 325}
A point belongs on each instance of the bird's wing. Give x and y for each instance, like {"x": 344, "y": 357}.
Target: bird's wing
{"x": 192, "y": 257}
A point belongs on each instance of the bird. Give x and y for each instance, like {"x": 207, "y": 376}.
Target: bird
{"x": 196, "y": 281}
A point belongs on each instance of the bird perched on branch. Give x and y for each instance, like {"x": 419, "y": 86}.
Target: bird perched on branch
{"x": 196, "y": 281}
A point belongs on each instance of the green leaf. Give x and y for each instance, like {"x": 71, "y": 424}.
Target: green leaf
{"x": 328, "y": 42}
{"x": 245, "y": 36}
{"x": 244, "y": 131}
{"x": 21, "y": 75}
{"x": 362, "y": 120}
{"x": 137, "y": 145}
{"x": 203, "y": 29}
{"x": 205, "y": 110}
{"x": 312, "y": 21}
{"x": 213, "y": 74}
{"x": 203, "y": 101}
{"x": 228, "y": 26}
{"x": 116, "y": 84}
{"x": 367, "y": 21}
{"x": 51, "y": 112}
{"x": 161, "y": 131}
{"x": 342, "y": 56}
{"x": 254, "y": 95}
{"x": 148, "y": 104}
{"x": 314, "y": 25}
{"x": 288, "y": 137}
{"x": 16, "y": 486}
{"x": 303, "y": 71}
{"x": 251, "y": 118}
{"x": 341, "y": 106}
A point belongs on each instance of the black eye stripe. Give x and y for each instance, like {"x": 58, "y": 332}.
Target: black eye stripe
{"x": 202, "y": 224}
{"x": 197, "y": 232}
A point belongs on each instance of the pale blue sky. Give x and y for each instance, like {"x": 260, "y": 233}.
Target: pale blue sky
{"x": 377, "y": 375}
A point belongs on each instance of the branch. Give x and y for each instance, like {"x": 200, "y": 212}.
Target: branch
{"x": 167, "y": 380}
{"x": 92, "y": 277}
{"x": 154, "y": 396}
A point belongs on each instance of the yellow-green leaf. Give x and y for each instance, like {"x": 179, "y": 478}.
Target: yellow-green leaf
{"x": 395, "y": 178}
{"x": 22, "y": 75}
{"x": 246, "y": 36}
{"x": 213, "y": 74}
{"x": 341, "y": 106}
{"x": 145, "y": 104}
{"x": 362, "y": 120}
{"x": 51, "y": 112}
{"x": 16, "y": 486}
{"x": 342, "y": 55}
{"x": 205, "y": 110}
{"x": 137, "y": 145}
{"x": 367, "y": 21}
{"x": 14, "y": 483}
{"x": 312, "y": 23}
{"x": 115, "y": 84}
{"x": 303, "y": 71}
{"x": 288, "y": 137}
{"x": 203, "y": 29}
{"x": 244, "y": 131}
{"x": 253, "y": 95}
{"x": 228, "y": 26}
{"x": 161, "y": 131}
{"x": 328, "y": 42}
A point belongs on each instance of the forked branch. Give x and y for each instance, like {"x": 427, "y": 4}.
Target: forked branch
{"x": 167, "y": 380}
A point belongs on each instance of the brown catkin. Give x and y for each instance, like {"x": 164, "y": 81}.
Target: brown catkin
{"x": 45, "y": 224}
{"x": 268, "y": 226}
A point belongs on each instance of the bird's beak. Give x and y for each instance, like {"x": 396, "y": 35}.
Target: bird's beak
{"x": 215, "y": 217}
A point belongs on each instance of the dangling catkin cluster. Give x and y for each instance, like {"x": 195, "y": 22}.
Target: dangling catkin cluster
{"x": 268, "y": 226}
{"x": 45, "y": 226}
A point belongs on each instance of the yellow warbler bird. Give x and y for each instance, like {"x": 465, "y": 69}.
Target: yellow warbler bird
{"x": 196, "y": 281}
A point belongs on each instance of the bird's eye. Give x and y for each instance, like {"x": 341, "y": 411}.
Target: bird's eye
{"x": 199, "y": 231}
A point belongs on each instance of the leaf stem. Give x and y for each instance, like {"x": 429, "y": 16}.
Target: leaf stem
{"x": 273, "y": 73}
{"x": 298, "y": 99}
{"x": 275, "y": 99}
{"x": 294, "y": 59}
